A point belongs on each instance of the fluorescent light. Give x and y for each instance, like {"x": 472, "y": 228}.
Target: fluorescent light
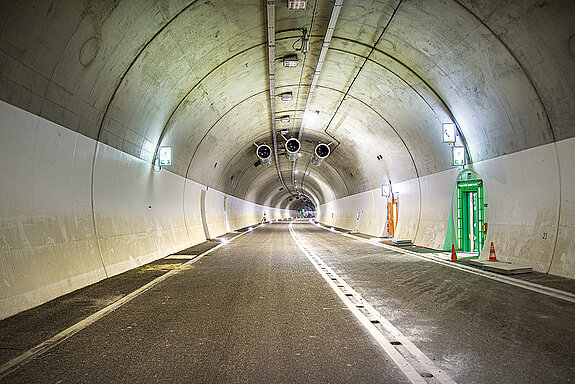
{"x": 297, "y": 4}
{"x": 290, "y": 61}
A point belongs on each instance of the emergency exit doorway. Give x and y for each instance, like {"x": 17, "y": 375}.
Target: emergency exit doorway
{"x": 470, "y": 216}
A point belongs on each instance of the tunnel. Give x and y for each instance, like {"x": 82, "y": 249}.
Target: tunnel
{"x": 133, "y": 130}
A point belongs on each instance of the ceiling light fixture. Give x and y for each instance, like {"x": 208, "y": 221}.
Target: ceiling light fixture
{"x": 287, "y": 96}
{"x": 285, "y": 119}
{"x": 290, "y": 61}
{"x": 297, "y": 4}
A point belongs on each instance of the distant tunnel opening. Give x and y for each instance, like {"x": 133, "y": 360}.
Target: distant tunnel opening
{"x": 304, "y": 206}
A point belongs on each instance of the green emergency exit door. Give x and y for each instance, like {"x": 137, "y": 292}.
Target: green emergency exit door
{"x": 470, "y": 216}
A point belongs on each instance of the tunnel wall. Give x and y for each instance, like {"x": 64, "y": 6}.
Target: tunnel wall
{"x": 74, "y": 211}
{"x": 530, "y": 208}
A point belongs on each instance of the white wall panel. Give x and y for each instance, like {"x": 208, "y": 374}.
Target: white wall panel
{"x": 563, "y": 262}
{"x": 436, "y": 197}
{"x": 47, "y": 241}
{"x": 523, "y": 194}
{"x": 215, "y": 213}
{"x": 408, "y": 208}
{"x": 139, "y": 211}
{"x": 193, "y": 217}
{"x": 373, "y": 219}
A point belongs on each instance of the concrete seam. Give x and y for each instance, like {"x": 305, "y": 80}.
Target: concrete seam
{"x": 92, "y": 184}
{"x": 184, "y": 210}
{"x": 559, "y": 206}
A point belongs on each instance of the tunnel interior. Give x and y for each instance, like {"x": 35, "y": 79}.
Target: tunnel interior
{"x": 351, "y": 98}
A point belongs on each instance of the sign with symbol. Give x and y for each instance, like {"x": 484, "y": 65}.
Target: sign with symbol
{"x": 385, "y": 190}
{"x": 165, "y": 155}
{"x": 448, "y": 132}
{"x": 458, "y": 156}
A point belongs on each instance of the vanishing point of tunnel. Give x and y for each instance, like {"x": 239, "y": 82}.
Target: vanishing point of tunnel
{"x": 287, "y": 191}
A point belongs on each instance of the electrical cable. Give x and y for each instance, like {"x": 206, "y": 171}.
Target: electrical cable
{"x": 357, "y": 74}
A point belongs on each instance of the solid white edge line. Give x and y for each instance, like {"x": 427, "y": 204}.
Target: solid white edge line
{"x": 20, "y": 360}
{"x": 409, "y": 371}
{"x": 553, "y": 292}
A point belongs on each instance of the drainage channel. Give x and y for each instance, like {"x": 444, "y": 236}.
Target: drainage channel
{"x": 416, "y": 366}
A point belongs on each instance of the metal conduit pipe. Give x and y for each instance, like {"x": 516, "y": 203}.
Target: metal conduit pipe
{"x": 271, "y": 16}
{"x": 325, "y": 46}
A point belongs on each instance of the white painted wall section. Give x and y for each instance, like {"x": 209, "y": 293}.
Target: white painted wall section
{"x": 72, "y": 214}
{"x": 192, "y": 214}
{"x": 530, "y": 212}
{"x": 564, "y": 257}
{"x": 138, "y": 211}
{"x": 47, "y": 242}
{"x": 436, "y": 196}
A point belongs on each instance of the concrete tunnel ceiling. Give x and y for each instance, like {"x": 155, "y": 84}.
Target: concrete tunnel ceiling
{"x": 193, "y": 75}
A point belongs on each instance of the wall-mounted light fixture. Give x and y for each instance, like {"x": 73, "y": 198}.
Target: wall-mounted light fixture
{"x": 286, "y": 96}
{"x": 264, "y": 153}
{"x": 285, "y": 119}
{"x": 320, "y": 153}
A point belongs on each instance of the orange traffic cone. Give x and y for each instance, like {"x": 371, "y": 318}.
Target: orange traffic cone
{"x": 453, "y": 254}
{"x": 492, "y": 256}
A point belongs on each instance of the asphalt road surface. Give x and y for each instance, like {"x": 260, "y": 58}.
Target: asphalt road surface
{"x": 256, "y": 310}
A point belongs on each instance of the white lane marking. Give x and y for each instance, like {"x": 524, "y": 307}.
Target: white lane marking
{"x": 553, "y": 292}
{"x": 345, "y": 291}
{"x": 43, "y": 347}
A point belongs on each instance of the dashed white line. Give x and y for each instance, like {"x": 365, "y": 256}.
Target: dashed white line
{"x": 412, "y": 362}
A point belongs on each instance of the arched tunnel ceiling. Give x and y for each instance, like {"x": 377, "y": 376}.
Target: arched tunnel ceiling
{"x": 193, "y": 75}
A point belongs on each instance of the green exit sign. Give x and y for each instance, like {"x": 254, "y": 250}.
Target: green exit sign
{"x": 165, "y": 154}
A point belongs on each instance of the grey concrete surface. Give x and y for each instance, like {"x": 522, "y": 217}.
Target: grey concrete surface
{"x": 138, "y": 74}
{"x": 254, "y": 311}
{"x": 478, "y": 330}
{"x": 27, "y": 329}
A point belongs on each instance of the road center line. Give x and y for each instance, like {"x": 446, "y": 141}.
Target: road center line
{"x": 412, "y": 362}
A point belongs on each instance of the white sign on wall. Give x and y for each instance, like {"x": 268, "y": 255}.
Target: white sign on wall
{"x": 448, "y": 132}
{"x": 458, "y": 156}
{"x": 384, "y": 190}
{"x": 165, "y": 155}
